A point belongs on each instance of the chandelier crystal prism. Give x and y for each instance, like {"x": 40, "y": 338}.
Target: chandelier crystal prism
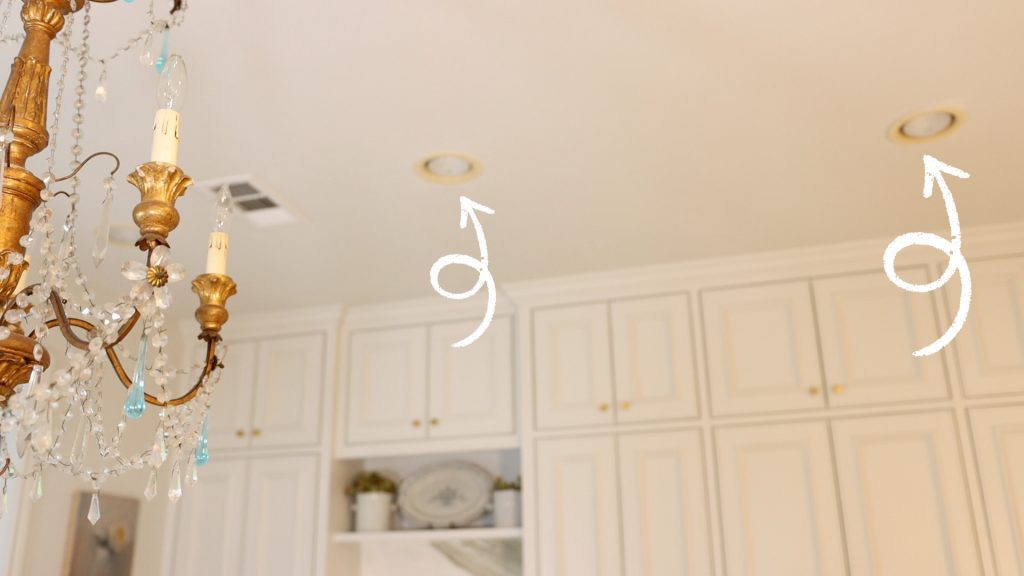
{"x": 52, "y": 416}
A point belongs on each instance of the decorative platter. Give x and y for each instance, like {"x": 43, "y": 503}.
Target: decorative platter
{"x": 446, "y": 495}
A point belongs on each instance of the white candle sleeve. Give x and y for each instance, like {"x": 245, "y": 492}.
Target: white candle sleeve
{"x": 165, "y": 136}
{"x": 217, "y": 255}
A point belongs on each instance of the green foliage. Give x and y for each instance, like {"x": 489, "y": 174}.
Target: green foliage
{"x": 500, "y": 484}
{"x": 371, "y": 482}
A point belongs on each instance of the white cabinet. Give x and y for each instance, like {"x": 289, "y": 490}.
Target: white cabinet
{"x": 905, "y": 503}
{"x": 286, "y": 402}
{"x": 280, "y": 528}
{"x": 650, "y": 343}
{"x": 869, "y": 331}
{"x": 577, "y": 493}
{"x": 210, "y": 523}
{"x": 762, "y": 349}
{"x": 471, "y": 387}
{"x": 999, "y": 448}
{"x": 991, "y": 345}
{"x": 652, "y": 351}
{"x": 387, "y": 385}
{"x": 466, "y": 392}
{"x": 231, "y": 420}
{"x": 572, "y": 368}
{"x": 253, "y": 517}
{"x": 269, "y": 394}
{"x": 664, "y": 509}
{"x": 780, "y": 513}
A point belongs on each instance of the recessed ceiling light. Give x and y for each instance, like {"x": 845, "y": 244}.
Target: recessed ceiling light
{"x": 925, "y": 125}
{"x": 448, "y": 168}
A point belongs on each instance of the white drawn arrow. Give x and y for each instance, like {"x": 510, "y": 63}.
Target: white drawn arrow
{"x": 933, "y": 171}
{"x": 468, "y": 210}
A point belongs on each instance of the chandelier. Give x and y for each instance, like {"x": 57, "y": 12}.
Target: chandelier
{"x": 55, "y": 418}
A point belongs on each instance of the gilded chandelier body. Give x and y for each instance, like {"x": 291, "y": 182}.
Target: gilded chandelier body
{"x": 23, "y": 107}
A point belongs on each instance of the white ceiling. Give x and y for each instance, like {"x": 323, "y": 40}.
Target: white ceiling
{"x": 613, "y": 133}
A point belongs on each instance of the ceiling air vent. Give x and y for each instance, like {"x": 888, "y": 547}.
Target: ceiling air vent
{"x": 253, "y": 203}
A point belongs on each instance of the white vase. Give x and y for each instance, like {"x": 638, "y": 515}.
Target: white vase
{"x": 373, "y": 511}
{"x": 506, "y": 508}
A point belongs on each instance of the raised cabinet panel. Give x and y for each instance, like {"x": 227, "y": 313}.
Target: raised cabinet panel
{"x": 991, "y": 345}
{"x": 572, "y": 368}
{"x": 906, "y": 508}
{"x": 652, "y": 345}
{"x": 471, "y": 387}
{"x": 289, "y": 382}
{"x": 999, "y": 447}
{"x": 762, "y": 351}
{"x": 387, "y": 386}
{"x": 211, "y": 519}
{"x": 578, "y": 531}
{"x": 280, "y": 530}
{"x": 230, "y": 422}
{"x": 664, "y": 505}
{"x": 869, "y": 331}
{"x": 780, "y": 513}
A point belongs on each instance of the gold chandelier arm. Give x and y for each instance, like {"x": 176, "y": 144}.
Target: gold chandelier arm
{"x": 117, "y": 165}
{"x": 66, "y": 324}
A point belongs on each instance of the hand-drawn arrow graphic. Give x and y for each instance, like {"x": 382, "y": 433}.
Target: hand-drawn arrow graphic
{"x": 468, "y": 210}
{"x": 933, "y": 171}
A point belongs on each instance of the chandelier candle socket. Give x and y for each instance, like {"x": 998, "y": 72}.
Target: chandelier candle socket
{"x": 53, "y": 418}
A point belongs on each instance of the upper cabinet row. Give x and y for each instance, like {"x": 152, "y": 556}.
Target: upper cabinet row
{"x": 838, "y": 341}
{"x": 629, "y": 361}
{"x": 410, "y": 384}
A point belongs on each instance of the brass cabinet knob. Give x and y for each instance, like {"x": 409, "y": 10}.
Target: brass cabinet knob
{"x": 625, "y": 405}
{"x": 434, "y": 421}
{"x": 814, "y": 390}
{"x": 603, "y": 407}
{"x": 240, "y": 433}
{"x": 416, "y": 423}
{"x": 838, "y": 388}
{"x": 256, "y": 432}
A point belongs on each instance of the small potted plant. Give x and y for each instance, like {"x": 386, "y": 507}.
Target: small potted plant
{"x": 506, "y": 503}
{"x": 374, "y": 495}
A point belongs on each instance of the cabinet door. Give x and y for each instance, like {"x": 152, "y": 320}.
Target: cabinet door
{"x": 653, "y": 357}
{"x": 664, "y": 505}
{"x": 572, "y": 367}
{"x": 471, "y": 387}
{"x": 906, "y": 508}
{"x": 999, "y": 444}
{"x": 578, "y": 505}
{"x": 762, "y": 349}
{"x": 869, "y": 331}
{"x": 387, "y": 386}
{"x": 230, "y": 421}
{"x": 780, "y": 513}
{"x": 210, "y": 520}
{"x": 289, "y": 383}
{"x": 280, "y": 532}
{"x": 991, "y": 345}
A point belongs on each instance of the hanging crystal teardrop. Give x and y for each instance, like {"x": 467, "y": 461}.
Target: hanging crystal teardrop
{"x": 78, "y": 447}
{"x": 102, "y": 238}
{"x": 158, "y": 453}
{"x": 146, "y": 53}
{"x": 174, "y": 493}
{"x": 94, "y": 509}
{"x": 135, "y": 405}
{"x": 151, "y": 485}
{"x": 192, "y": 477}
{"x": 203, "y": 446}
{"x": 37, "y": 490}
{"x": 3, "y": 502}
{"x": 165, "y": 50}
